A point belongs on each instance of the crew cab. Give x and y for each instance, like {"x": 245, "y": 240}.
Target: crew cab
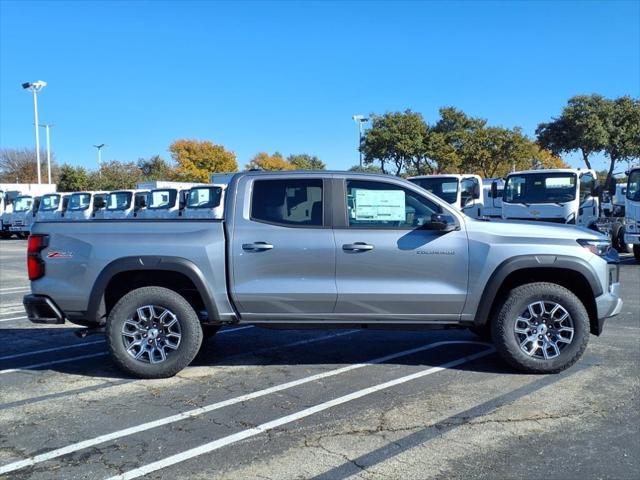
{"x": 324, "y": 250}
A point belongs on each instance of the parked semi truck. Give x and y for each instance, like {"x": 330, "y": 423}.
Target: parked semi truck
{"x": 323, "y": 250}
{"x": 464, "y": 192}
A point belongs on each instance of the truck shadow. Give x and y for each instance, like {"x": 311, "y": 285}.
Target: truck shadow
{"x": 255, "y": 347}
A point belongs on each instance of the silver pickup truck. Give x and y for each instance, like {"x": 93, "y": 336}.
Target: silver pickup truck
{"x": 325, "y": 250}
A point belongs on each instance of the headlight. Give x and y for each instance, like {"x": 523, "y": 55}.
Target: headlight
{"x": 597, "y": 247}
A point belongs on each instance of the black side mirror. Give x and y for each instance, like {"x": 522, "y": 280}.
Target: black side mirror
{"x": 612, "y": 187}
{"x": 476, "y": 191}
{"x": 494, "y": 189}
{"x": 442, "y": 223}
{"x": 98, "y": 203}
{"x": 597, "y": 190}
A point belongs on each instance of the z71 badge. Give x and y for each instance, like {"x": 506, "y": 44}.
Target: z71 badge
{"x": 56, "y": 254}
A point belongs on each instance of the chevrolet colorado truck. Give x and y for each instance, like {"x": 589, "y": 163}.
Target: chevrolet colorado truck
{"x": 323, "y": 250}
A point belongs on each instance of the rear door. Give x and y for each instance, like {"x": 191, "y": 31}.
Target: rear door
{"x": 389, "y": 264}
{"x": 282, "y": 248}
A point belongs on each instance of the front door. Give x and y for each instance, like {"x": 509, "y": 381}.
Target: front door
{"x": 283, "y": 251}
{"x": 389, "y": 264}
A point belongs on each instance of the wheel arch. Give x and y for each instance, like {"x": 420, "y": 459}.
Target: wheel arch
{"x": 573, "y": 273}
{"x": 128, "y": 273}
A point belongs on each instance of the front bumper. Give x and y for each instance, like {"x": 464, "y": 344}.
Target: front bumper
{"x": 632, "y": 238}
{"x": 41, "y": 309}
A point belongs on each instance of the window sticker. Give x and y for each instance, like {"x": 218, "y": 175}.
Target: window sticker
{"x": 380, "y": 205}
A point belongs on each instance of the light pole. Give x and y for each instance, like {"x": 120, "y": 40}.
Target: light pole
{"x": 35, "y": 87}
{"x": 360, "y": 119}
{"x": 99, "y": 152}
{"x": 47, "y": 126}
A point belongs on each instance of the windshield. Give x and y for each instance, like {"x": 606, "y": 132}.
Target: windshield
{"x": 119, "y": 200}
{"x": 49, "y": 202}
{"x": 206, "y": 197}
{"x": 23, "y": 204}
{"x": 540, "y": 188}
{"x": 446, "y": 188}
{"x": 633, "y": 186}
{"x": 162, "y": 198}
{"x": 79, "y": 201}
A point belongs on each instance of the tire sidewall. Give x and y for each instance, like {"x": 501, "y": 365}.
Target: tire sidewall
{"x": 191, "y": 332}
{"x": 504, "y": 334}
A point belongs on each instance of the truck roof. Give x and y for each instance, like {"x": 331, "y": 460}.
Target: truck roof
{"x": 446, "y": 175}
{"x": 554, "y": 170}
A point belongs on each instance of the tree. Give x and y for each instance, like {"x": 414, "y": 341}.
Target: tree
{"x": 623, "y": 131}
{"x": 73, "y": 179}
{"x": 156, "y": 168}
{"x": 196, "y": 160}
{"x": 306, "y": 162}
{"x": 116, "y": 175}
{"x": 366, "y": 169}
{"x": 581, "y": 126}
{"x": 18, "y": 165}
{"x": 264, "y": 161}
{"x": 397, "y": 138}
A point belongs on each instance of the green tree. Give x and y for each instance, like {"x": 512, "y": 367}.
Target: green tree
{"x": 303, "y": 161}
{"x": 396, "y": 138}
{"x": 582, "y": 126}
{"x": 156, "y": 168}
{"x": 116, "y": 175}
{"x": 366, "y": 169}
{"x": 264, "y": 161}
{"x": 623, "y": 131}
{"x": 73, "y": 179}
{"x": 196, "y": 160}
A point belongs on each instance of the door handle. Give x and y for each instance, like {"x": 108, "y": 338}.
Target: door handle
{"x": 257, "y": 246}
{"x": 357, "y": 247}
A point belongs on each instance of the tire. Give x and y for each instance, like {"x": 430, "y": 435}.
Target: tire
{"x": 620, "y": 244}
{"x": 177, "y": 341}
{"x": 636, "y": 252}
{"x": 513, "y": 314}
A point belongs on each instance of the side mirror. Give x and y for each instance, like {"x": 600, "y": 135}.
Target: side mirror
{"x": 442, "y": 223}
{"x": 140, "y": 202}
{"x": 597, "y": 190}
{"x": 476, "y": 191}
{"x": 494, "y": 189}
{"x": 98, "y": 203}
{"x": 612, "y": 187}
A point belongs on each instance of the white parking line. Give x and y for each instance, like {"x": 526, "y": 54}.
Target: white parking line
{"x": 14, "y": 289}
{"x": 47, "y": 350}
{"x": 82, "y": 357}
{"x": 11, "y": 312}
{"x": 43, "y": 457}
{"x": 278, "y": 422}
{"x": 12, "y": 319}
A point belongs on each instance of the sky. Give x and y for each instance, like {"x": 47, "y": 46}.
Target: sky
{"x": 288, "y": 76}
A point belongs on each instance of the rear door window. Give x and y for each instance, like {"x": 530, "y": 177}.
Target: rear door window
{"x": 295, "y": 202}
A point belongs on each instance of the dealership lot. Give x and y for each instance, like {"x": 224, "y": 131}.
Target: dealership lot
{"x": 314, "y": 404}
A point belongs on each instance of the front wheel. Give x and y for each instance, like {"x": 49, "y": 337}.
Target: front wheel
{"x": 153, "y": 332}
{"x": 541, "y": 328}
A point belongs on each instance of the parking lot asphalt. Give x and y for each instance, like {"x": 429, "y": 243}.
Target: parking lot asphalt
{"x": 271, "y": 404}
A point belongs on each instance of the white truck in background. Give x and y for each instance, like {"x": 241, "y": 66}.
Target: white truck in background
{"x": 124, "y": 204}
{"x": 632, "y": 212}
{"x": 560, "y": 195}
{"x": 9, "y": 193}
{"x": 85, "y": 205}
{"x": 492, "y": 190}
{"x": 463, "y": 192}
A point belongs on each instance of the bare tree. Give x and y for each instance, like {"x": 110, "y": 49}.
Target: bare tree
{"x": 18, "y": 165}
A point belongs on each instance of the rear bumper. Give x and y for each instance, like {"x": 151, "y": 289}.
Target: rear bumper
{"x": 41, "y": 309}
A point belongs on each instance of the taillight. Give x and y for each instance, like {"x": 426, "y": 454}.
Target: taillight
{"x": 35, "y": 265}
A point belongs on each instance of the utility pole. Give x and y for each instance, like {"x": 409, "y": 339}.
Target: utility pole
{"x": 99, "y": 152}
{"x": 360, "y": 119}
{"x": 47, "y": 126}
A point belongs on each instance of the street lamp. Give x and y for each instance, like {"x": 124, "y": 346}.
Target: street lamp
{"x": 47, "y": 126}
{"x": 35, "y": 87}
{"x": 360, "y": 119}
{"x": 99, "y": 151}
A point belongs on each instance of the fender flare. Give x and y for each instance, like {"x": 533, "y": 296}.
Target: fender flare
{"x": 525, "y": 262}
{"x": 97, "y": 309}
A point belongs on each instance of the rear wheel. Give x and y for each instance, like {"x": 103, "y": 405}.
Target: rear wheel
{"x": 541, "y": 328}
{"x": 153, "y": 332}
